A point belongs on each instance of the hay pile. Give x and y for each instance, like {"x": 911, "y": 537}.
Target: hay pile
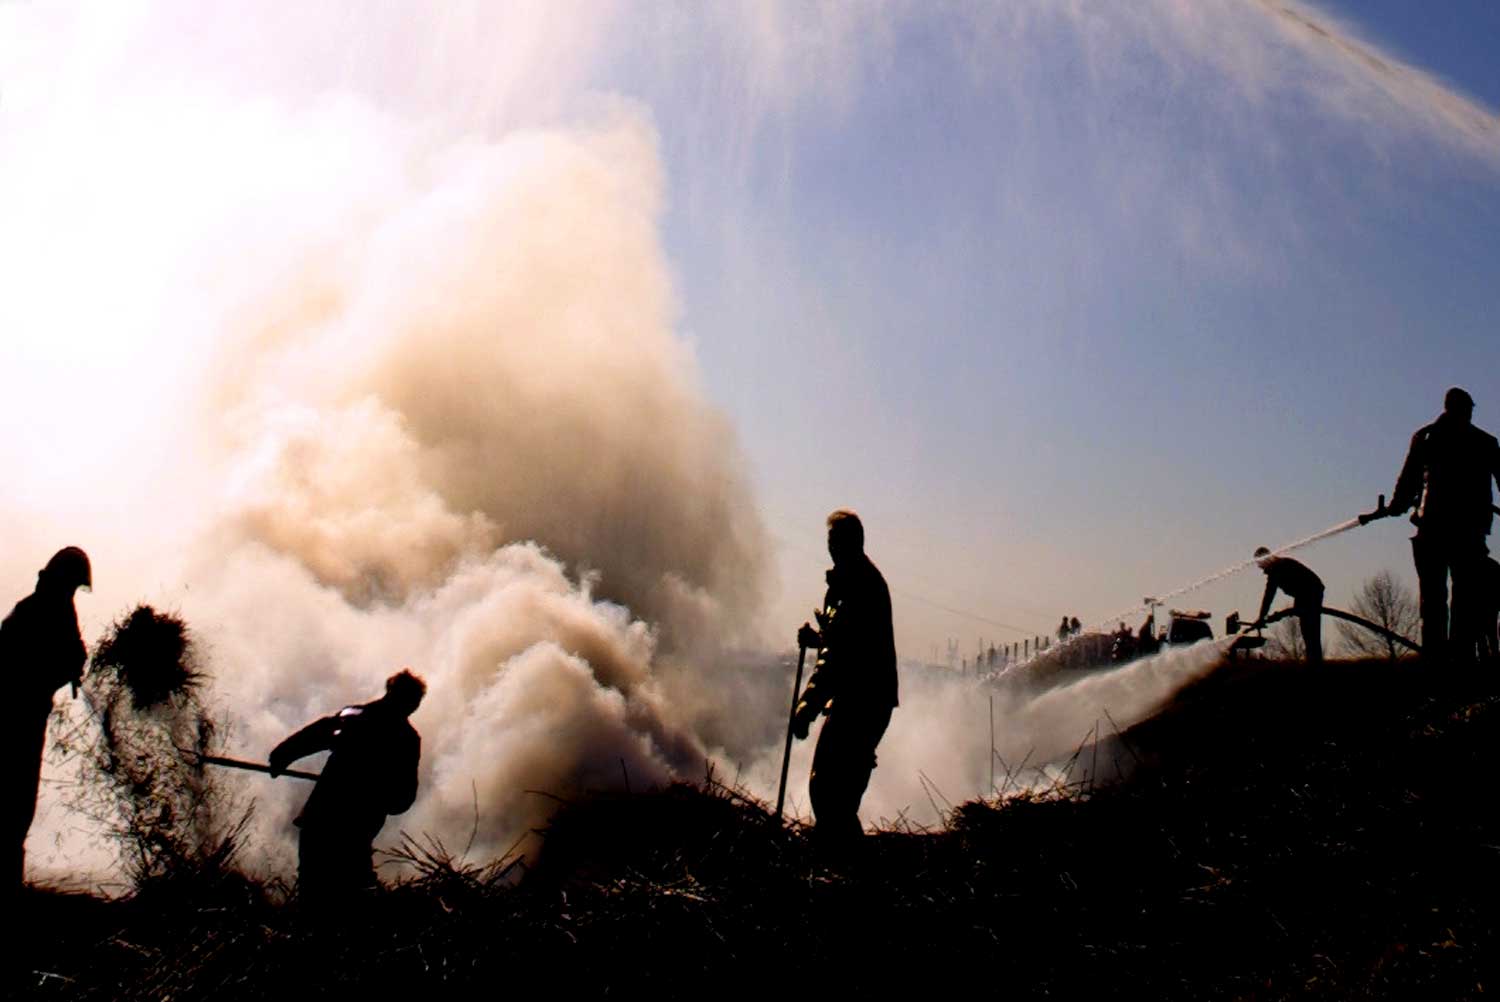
{"x": 149, "y": 655}
{"x": 140, "y": 776}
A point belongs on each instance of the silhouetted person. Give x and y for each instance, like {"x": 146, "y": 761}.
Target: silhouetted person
{"x": 371, "y": 773}
{"x": 1074, "y": 626}
{"x": 1145, "y": 637}
{"x": 853, "y": 683}
{"x": 1447, "y": 478}
{"x": 1062, "y": 629}
{"x": 1306, "y": 591}
{"x": 41, "y": 651}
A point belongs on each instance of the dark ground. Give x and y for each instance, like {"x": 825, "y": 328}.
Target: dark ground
{"x": 1290, "y": 833}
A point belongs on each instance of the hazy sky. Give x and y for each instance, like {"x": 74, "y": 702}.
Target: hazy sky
{"x": 1077, "y": 305}
{"x": 1074, "y": 302}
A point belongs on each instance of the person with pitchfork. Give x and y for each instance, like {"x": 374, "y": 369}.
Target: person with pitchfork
{"x": 371, "y": 773}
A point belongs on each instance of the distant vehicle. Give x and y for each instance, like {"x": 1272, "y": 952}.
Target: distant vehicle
{"x": 1189, "y": 627}
{"x": 1183, "y": 627}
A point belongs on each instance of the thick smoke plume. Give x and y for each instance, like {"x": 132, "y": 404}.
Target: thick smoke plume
{"x": 495, "y": 366}
{"x": 392, "y": 395}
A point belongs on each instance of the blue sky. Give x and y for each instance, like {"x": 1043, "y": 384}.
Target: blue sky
{"x": 1081, "y": 311}
{"x": 1075, "y": 302}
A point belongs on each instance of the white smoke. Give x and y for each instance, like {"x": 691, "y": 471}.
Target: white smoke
{"x": 1040, "y": 737}
{"x": 352, "y": 393}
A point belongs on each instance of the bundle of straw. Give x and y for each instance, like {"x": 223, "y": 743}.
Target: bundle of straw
{"x": 150, "y": 654}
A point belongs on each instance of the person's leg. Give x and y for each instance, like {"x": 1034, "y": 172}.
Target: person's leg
{"x": 1467, "y": 561}
{"x": 1489, "y": 616}
{"x": 1310, "y": 614}
{"x": 870, "y": 728}
{"x": 333, "y": 863}
{"x": 23, "y": 775}
{"x": 842, "y": 765}
{"x": 1432, "y": 582}
{"x": 828, "y": 786}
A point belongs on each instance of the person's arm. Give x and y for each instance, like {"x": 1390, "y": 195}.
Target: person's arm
{"x": 1265, "y": 602}
{"x": 808, "y": 637}
{"x": 72, "y": 656}
{"x": 1408, "y": 489}
{"x": 819, "y": 691}
{"x": 816, "y": 696}
{"x": 315, "y": 737}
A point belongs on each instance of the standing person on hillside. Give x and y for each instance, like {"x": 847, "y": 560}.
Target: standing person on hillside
{"x": 853, "y": 683}
{"x": 1447, "y": 478}
{"x": 371, "y": 773}
{"x": 1306, "y": 591}
{"x": 41, "y": 651}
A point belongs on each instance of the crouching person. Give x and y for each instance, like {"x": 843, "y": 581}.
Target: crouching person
{"x": 372, "y": 773}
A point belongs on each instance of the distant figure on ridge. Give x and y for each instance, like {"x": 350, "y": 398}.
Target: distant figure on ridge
{"x": 1063, "y": 630}
{"x": 1306, "y": 591}
{"x": 1145, "y": 637}
{"x": 41, "y": 651}
{"x": 1447, "y": 478}
{"x": 371, "y": 773}
{"x": 853, "y": 683}
{"x": 1074, "y": 626}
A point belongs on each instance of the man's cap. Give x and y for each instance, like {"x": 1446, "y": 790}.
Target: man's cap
{"x": 1457, "y": 397}
{"x": 1261, "y": 551}
{"x": 70, "y": 566}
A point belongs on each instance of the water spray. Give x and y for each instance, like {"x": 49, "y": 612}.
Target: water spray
{"x": 1161, "y": 598}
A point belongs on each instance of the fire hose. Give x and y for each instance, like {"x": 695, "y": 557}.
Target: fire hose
{"x": 1381, "y": 511}
{"x": 1350, "y": 618}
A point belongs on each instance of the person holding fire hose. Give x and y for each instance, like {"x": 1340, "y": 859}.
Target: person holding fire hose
{"x": 41, "y": 650}
{"x": 1447, "y": 479}
{"x": 853, "y": 683}
{"x": 371, "y": 773}
{"x": 1306, "y": 591}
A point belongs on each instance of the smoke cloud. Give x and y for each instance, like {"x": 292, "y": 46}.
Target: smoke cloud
{"x": 352, "y": 393}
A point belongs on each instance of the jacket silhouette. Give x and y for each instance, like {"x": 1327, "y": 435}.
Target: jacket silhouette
{"x": 41, "y": 651}
{"x": 371, "y": 773}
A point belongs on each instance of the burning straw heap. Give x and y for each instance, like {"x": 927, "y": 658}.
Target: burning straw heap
{"x": 141, "y": 776}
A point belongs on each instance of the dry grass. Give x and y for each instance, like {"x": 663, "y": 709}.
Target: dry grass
{"x": 137, "y": 749}
{"x": 149, "y": 655}
{"x": 1291, "y": 833}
